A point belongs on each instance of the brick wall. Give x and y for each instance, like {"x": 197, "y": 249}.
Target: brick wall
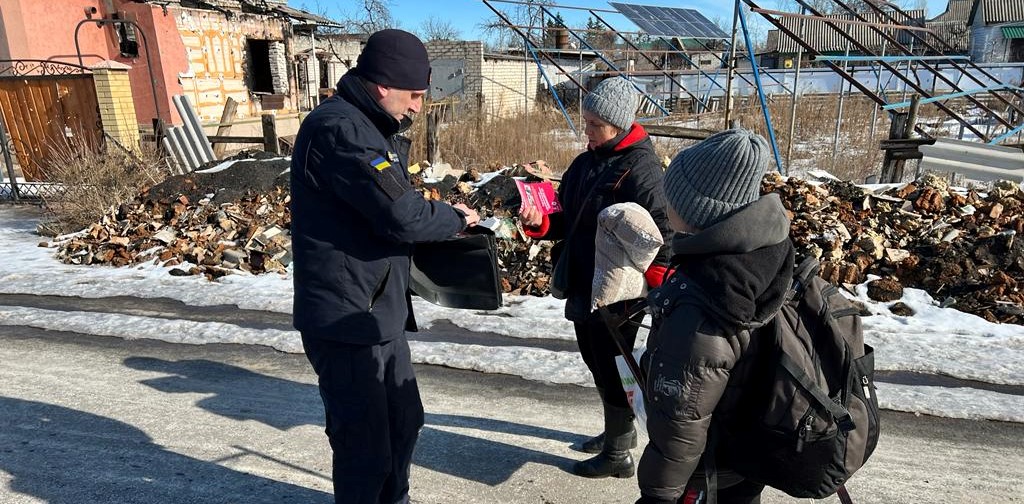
{"x": 279, "y": 67}
{"x": 471, "y": 53}
{"x": 509, "y": 86}
{"x": 114, "y": 97}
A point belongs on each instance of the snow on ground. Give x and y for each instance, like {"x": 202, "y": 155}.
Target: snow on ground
{"x": 935, "y": 340}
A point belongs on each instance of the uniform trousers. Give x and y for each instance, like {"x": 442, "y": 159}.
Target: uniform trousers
{"x": 373, "y": 417}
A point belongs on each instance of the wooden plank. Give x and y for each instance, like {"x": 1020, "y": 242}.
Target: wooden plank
{"x": 23, "y": 133}
{"x": 226, "y": 118}
{"x": 270, "y": 143}
{"x": 904, "y": 143}
{"x": 47, "y": 118}
{"x": 677, "y": 131}
{"x": 11, "y": 118}
{"x": 218, "y": 139}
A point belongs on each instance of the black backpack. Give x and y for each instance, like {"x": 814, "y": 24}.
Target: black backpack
{"x": 808, "y": 417}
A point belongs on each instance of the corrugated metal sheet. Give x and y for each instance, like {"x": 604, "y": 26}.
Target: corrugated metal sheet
{"x": 825, "y": 39}
{"x": 973, "y": 160}
{"x": 1002, "y": 11}
{"x": 952, "y": 24}
{"x": 1013, "y": 32}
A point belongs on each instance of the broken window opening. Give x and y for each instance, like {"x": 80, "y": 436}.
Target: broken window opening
{"x": 325, "y": 68}
{"x": 127, "y": 40}
{"x": 261, "y": 80}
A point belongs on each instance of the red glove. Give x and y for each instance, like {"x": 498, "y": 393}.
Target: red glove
{"x": 538, "y": 232}
{"x": 656, "y": 274}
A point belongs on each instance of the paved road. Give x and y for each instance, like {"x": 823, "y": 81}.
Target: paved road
{"x": 87, "y": 419}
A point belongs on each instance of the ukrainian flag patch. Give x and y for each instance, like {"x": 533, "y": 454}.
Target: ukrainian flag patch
{"x": 380, "y": 163}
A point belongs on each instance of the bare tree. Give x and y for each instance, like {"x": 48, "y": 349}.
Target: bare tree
{"x": 434, "y": 28}
{"x": 369, "y": 16}
{"x": 530, "y": 14}
{"x": 374, "y": 15}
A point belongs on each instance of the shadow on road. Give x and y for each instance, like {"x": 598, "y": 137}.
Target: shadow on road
{"x": 64, "y": 456}
{"x": 241, "y": 394}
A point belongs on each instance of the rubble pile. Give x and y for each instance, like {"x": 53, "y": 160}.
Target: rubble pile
{"x": 960, "y": 247}
{"x": 209, "y": 223}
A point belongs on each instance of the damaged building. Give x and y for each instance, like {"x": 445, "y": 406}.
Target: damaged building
{"x": 262, "y": 53}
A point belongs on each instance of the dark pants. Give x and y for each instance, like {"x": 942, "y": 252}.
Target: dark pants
{"x": 744, "y": 492}
{"x": 599, "y": 351}
{"x": 374, "y": 416}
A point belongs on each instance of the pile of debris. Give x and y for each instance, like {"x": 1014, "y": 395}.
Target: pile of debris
{"x": 228, "y": 216}
{"x": 525, "y": 264}
{"x": 960, "y": 246}
{"x": 234, "y": 216}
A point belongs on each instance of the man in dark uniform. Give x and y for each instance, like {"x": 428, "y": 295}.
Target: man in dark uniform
{"x": 355, "y": 218}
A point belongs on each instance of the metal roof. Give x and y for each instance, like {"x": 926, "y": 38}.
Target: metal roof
{"x": 826, "y": 39}
{"x": 998, "y": 11}
{"x": 302, "y": 15}
{"x": 1013, "y": 32}
{"x": 952, "y": 24}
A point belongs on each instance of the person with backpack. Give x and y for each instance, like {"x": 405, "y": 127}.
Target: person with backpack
{"x": 619, "y": 166}
{"x": 733, "y": 264}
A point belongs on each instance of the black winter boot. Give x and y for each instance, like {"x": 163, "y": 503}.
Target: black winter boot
{"x": 614, "y": 458}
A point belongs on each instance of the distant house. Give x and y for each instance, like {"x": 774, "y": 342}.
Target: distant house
{"x": 952, "y": 26}
{"x": 782, "y": 49}
{"x": 997, "y": 31}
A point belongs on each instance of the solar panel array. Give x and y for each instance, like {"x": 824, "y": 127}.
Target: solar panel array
{"x": 670, "y": 21}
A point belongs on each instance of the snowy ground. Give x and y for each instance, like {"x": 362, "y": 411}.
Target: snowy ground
{"x": 934, "y": 341}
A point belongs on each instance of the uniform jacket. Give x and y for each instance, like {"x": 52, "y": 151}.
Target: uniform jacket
{"x": 355, "y": 218}
{"x": 625, "y": 169}
{"x": 730, "y": 279}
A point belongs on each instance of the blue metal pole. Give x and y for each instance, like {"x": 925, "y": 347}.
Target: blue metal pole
{"x": 554, "y": 93}
{"x": 888, "y": 59}
{"x": 951, "y": 95}
{"x": 760, "y": 88}
{"x": 609, "y": 63}
{"x": 1006, "y": 135}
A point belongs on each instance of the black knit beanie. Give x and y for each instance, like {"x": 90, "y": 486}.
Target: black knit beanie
{"x": 395, "y": 58}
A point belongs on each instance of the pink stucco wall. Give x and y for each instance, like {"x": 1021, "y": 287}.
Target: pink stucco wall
{"x": 52, "y": 37}
{"x": 46, "y": 30}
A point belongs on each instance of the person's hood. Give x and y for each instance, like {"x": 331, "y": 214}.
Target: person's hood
{"x": 351, "y": 88}
{"x": 759, "y": 224}
{"x": 743, "y": 265}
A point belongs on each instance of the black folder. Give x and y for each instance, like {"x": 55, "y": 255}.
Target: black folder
{"x": 461, "y": 272}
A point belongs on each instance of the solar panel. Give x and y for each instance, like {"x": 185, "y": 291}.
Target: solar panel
{"x": 670, "y": 21}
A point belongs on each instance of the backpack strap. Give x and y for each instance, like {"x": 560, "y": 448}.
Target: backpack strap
{"x": 843, "y": 418}
{"x": 844, "y": 495}
{"x": 710, "y": 466}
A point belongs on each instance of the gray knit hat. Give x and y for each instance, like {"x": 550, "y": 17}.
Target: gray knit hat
{"x": 615, "y": 100}
{"x": 706, "y": 182}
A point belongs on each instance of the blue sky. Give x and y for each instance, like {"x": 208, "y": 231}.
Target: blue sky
{"x": 468, "y": 15}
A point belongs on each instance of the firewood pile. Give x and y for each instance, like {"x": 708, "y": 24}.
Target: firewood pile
{"x": 960, "y": 247}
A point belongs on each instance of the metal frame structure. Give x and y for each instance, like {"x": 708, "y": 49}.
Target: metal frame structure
{"x": 535, "y": 51}
{"x": 903, "y": 54}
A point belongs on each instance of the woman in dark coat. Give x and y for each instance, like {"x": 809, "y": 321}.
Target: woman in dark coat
{"x": 619, "y": 166}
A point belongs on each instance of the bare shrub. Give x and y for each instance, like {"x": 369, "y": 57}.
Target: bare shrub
{"x": 473, "y": 140}
{"x": 857, "y": 155}
{"x": 96, "y": 179}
